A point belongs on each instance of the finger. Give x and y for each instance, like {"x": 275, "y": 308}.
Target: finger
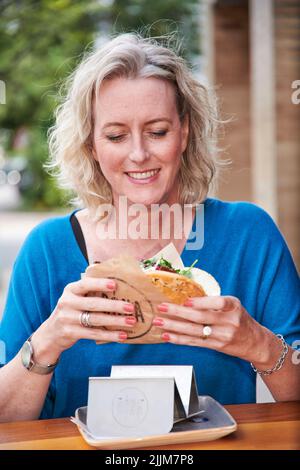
{"x": 99, "y": 304}
{"x": 210, "y": 343}
{"x": 224, "y": 303}
{"x": 197, "y": 316}
{"x": 190, "y": 329}
{"x": 179, "y": 327}
{"x": 92, "y": 284}
{"x": 106, "y": 319}
{"x": 99, "y": 334}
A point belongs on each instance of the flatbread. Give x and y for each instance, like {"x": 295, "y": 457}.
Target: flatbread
{"x": 176, "y": 287}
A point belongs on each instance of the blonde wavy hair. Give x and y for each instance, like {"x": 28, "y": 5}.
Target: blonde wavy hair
{"x": 132, "y": 56}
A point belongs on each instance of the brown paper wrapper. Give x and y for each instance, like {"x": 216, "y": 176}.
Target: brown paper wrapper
{"x": 132, "y": 286}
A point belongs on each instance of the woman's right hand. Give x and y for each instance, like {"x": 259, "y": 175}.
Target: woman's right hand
{"x": 63, "y": 328}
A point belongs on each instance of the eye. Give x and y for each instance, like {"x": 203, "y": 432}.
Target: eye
{"x": 158, "y": 134}
{"x": 115, "y": 138}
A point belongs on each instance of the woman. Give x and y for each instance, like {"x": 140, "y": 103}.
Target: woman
{"x": 136, "y": 124}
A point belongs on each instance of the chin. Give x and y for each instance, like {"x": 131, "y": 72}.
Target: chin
{"x": 145, "y": 197}
{"x": 144, "y": 201}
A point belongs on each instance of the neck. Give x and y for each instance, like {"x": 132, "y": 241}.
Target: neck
{"x": 162, "y": 222}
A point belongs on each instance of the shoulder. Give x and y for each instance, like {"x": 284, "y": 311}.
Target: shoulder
{"x": 243, "y": 226}
{"x": 51, "y": 225}
{"x": 52, "y": 232}
{"x": 242, "y": 215}
{"x": 236, "y": 208}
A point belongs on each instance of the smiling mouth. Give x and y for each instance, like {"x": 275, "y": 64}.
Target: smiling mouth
{"x": 140, "y": 175}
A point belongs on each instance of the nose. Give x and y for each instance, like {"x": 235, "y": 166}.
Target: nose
{"x": 138, "y": 152}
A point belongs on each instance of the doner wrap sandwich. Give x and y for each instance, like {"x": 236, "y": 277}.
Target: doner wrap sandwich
{"x": 146, "y": 284}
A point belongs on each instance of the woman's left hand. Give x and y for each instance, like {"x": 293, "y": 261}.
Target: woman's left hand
{"x": 231, "y": 329}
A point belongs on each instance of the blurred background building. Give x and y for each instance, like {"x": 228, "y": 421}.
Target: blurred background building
{"x": 253, "y": 58}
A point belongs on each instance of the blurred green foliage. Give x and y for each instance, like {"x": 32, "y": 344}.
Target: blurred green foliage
{"x": 41, "y": 41}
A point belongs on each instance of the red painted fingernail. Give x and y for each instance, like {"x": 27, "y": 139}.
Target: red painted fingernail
{"x": 129, "y": 308}
{"x": 122, "y": 336}
{"x": 188, "y": 303}
{"x": 111, "y": 285}
{"x": 158, "y": 322}
{"x": 165, "y": 337}
{"x": 163, "y": 308}
{"x": 130, "y": 320}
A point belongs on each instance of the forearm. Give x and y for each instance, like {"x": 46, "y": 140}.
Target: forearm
{"x": 284, "y": 384}
{"x": 22, "y": 393}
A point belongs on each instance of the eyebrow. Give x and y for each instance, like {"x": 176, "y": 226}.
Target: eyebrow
{"x": 152, "y": 121}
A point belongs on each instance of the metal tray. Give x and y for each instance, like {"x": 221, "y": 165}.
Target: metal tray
{"x": 212, "y": 423}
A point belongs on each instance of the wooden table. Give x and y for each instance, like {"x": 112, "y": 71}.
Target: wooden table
{"x": 260, "y": 426}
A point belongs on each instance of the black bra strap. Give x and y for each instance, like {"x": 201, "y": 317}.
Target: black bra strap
{"x": 79, "y": 235}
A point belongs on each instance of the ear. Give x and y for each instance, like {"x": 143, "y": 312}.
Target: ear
{"x": 185, "y": 129}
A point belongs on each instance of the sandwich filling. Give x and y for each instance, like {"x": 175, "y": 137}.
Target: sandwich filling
{"x": 161, "y": 264}
{"x": 198, "y": 282}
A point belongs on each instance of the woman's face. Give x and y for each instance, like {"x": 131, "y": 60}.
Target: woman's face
{"x": 138, "y": 139}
